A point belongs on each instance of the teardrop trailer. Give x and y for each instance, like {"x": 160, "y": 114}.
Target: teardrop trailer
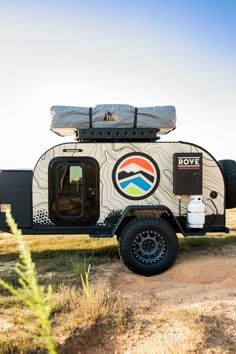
{"x": 119, "y": 178}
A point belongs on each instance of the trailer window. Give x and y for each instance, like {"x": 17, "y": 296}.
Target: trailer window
{"x": 73, "y": 190}
{"x": 69, "y": 190}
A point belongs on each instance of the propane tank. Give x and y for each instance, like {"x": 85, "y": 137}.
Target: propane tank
{"x": 196, "y": 212}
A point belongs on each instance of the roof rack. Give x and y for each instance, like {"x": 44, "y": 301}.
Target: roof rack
{"x": 117, "y": 134}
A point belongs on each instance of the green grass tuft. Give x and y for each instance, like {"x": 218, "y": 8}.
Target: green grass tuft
{"x": 30, "y": 292}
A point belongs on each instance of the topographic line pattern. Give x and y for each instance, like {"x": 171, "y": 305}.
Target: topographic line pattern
{"x": 107, "y": 154}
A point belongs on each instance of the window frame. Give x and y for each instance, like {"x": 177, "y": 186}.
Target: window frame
{"x": 89, "y": 203}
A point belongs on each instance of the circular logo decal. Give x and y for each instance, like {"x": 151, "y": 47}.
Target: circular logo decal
{"x": 136, "y": 176}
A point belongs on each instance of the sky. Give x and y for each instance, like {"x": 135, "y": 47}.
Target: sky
{"x": 143, "y": 53}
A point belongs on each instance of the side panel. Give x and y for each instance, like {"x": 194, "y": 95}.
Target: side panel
{"x": 187, "y": 174}
{"x": 118, "y": 163}
{"x": 16, "y": 190}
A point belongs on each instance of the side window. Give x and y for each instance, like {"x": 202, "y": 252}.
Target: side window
{"x": 73, "y": 190}
{"x": 69, "y": 185}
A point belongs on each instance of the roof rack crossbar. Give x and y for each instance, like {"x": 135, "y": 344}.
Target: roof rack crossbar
{"x": 118, "y": 134}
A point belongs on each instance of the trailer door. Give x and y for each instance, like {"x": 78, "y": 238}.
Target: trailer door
{"x": 73, "y": 191}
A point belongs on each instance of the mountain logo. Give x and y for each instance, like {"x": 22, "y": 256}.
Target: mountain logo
{"x": 136, "y": 176}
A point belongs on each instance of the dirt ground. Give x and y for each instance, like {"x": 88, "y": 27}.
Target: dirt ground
{"x": 191, "y": 308}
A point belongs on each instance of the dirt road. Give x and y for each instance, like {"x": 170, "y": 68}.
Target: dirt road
{"x": 191, "y": 308}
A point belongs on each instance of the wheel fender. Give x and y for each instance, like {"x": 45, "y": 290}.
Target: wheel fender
{"x": 133, "y": 211}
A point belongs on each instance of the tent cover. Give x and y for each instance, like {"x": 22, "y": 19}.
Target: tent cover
{"x": 67, "y": 120}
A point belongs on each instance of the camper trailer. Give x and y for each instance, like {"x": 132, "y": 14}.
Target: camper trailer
{"x": 118, "y": 178}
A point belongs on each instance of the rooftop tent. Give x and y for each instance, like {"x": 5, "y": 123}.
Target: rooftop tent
{"x": 67, "y": 120}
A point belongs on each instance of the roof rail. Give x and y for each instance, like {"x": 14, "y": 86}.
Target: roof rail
{"x": 117, "y": 134}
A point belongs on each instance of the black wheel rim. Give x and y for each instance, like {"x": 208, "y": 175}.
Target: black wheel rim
{"x": 149, "y": 247}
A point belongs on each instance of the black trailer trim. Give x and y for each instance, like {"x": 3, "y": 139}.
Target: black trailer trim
{"x": 92, "y": 231}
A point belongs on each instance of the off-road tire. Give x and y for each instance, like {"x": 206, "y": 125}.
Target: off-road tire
{"x": 148, "y": 245}
{"x": 228, "y": 168}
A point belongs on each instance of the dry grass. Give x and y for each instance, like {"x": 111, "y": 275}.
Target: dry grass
{"x": 75, "y": 310}
{"x": 78, "y": 313}
{"x": 77, "y": 305}
{"x": 46, "y": 245}
{"x": 86, "y": 309}
{"x": 231, "y": 219}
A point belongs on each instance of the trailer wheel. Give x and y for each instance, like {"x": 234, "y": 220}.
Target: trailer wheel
{"x": 148, "y": 245}
{"x": 228, "y": 168}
